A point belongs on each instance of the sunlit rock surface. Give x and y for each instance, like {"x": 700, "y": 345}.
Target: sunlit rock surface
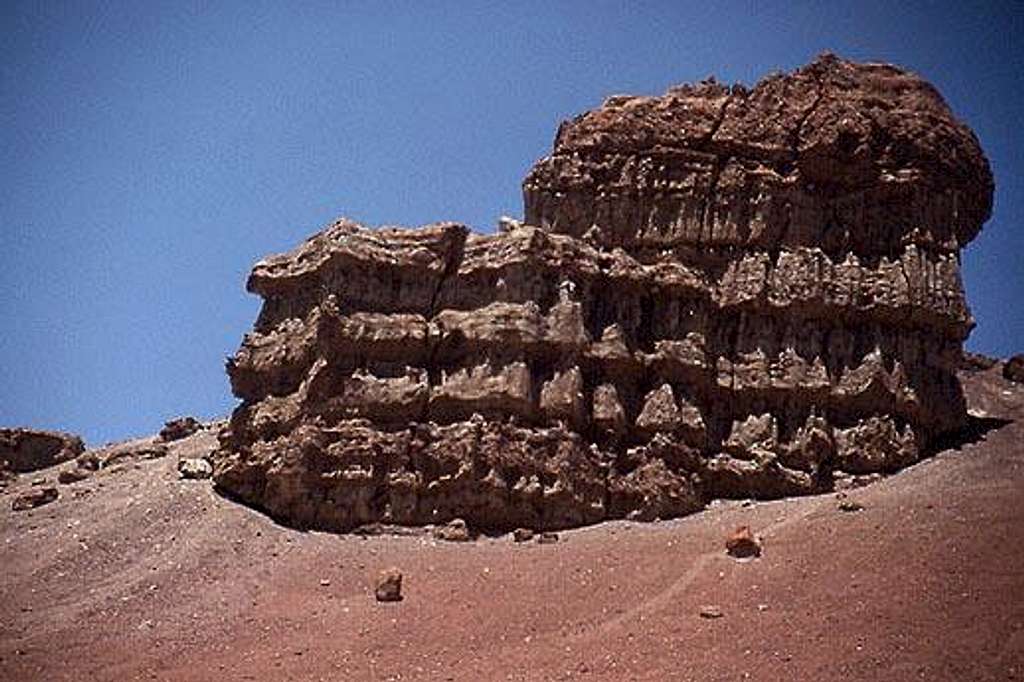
{"x": 717, "y": 292}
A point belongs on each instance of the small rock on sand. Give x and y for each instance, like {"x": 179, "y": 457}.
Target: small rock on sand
{"x": 848, "y": 505}
{"x": 454, "y": 531}
{"x": 389, "y": 585}
{"x": 742, "y": 544}
{"x": 522, "y": 535}
{"x": 547, "y": 538}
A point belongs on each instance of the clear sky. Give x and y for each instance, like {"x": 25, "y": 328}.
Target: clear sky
{"x": 152, "y": 151}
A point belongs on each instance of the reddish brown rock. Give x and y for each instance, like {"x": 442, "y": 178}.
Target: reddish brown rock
{"x": 25, "y": 450}
{"x": 73, "y": 475}
{"x": 389, "y": 585}
{"x": 742, "y": 544}
{"x": 844, "y": 157}
{"x": 120, "y": 453}
{"x": 179, "y": 428}
{"x": 719, "y": 292}
{"x": 35, "y": 497}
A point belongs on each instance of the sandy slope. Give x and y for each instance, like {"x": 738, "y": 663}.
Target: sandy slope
{"x": 134, "y": 574}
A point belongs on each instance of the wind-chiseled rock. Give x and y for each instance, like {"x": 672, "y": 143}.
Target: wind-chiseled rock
{"x": 720, "y": 291}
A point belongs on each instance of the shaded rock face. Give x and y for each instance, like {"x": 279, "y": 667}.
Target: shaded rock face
{"x": 1014, "y": 369}
{"x": 717, "y": 292}
{"x": 25, "y": 450}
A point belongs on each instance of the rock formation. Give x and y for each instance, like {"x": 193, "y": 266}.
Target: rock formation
{"x": 25, "y": 450}
{"x": 1013, "y": 369}
{"x": 178, "y": 428}
{"x": 717, "y": 292}
{"x": 35, "y": 497}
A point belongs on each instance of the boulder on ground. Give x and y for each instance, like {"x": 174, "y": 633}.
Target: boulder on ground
{"x": 455, "y": 530}
{"x": 194, "y": 468}
{"x": 73, "y": 475}
{"x": 389, "y": 585}
{"x": 130, "y": 451}
{"x": 1013, "y": 369}
{"x": 179, "y": 428}
{"x": 36, "y": 497}
{"x": 522, "y": 535}
{"x": 25, "y": 450}
{"x": 742, "y": 544}
{"x": 845, "y": 504}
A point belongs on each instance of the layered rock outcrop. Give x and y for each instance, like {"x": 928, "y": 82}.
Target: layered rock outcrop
{"x": 716, "y": 292}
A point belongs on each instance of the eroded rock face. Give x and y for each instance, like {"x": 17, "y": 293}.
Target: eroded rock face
{"x": 25, "y": 450}
{"x": 716, "y": 292}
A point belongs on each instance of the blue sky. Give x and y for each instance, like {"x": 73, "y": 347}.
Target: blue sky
{"x": 153, "y": 151}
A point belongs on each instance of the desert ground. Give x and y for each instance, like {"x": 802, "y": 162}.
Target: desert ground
{"x": 134, "y": 574}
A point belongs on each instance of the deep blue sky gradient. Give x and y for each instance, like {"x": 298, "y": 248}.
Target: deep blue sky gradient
{"x": 153, "y": 151}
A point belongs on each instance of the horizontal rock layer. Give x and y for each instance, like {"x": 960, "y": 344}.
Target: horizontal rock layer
{"x": 727, "y": 293}
{"x": 594, "y": 349}
{"x": 847, "y": 157}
